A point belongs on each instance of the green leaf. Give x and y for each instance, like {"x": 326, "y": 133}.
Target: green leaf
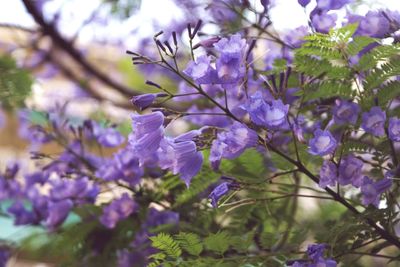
{"x": 166, "y": 244}
{"x": 358, "y": 44}
{"x": 218, "y": 242}
{"x": 189, "y": 242}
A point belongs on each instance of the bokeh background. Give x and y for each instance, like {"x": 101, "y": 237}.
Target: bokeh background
{"x": 71, "y": 55}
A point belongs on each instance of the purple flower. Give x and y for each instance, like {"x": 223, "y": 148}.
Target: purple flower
{"x": 124, "y": 165}
{"x": 109, "y": 137}
{"x": 315, "y": 254}
{"x": 230, "y": 63}
{"x": 232, "y": 143}
{"x": 57, "y": 212}
{"x": 145, "y": 100}
{"x": 21, "y": 214}
{"x": 273, "y": 116}
{"x": 350, "y": 171}
{"x": 373, "y": 122}
{"x": 345, "y": 112}
{"x": 218, "y": 192}
{"x": 328, "y": 174}
{"x": 371, "y": 191}
{"x": 323, "y": 22}
{"x": 208, "y": 43}
{"x": 181, "y": 158}
{"x": 156, "y": 218}
{"x": 316, "y": 251}
{"x": 304, "y": 3}
{"x": 394, "y": 129}
{"x": 295, "y": 38}
{"x": 323, "y": 143}
{"x": 118, "y": 210}
{"x": 373, "y": 24}
{"x": 201, "y": 70}
{"x": 78, "y": 189}
{"x": 148, "y": 131}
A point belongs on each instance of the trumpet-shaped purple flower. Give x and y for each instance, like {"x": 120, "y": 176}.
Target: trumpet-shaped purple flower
{"x": 273, "y": 116}
{"x": 328, "y": 174}
{"x": 148, "y": 131}
{"x": 345, "y": 112}
{"x": 57, "y": 212}
{"x": 181, "y": 158}
{"x": 201, "y": 70}
{"x": 374, "y": 23}
{"x": 371, "y": 191}
{"x": 232, "y": 143}
{"x": 323, "y": 143}
{"x": 373, "y": 122}
{"x": 230, "y": 64}
{"x": 394, "y": 129}
{"x": 145, "y": 100}
{"x": 218, "y": 192}
{"x": 350, "y": 171}
{"x": 208, "y": 43}
{"x": 118, "y": 210}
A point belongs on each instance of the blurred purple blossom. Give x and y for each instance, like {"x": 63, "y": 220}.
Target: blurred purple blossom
{"x": 373, "y": 122}
{"x": 350, "y": 171}
{"x": 323, "y": 143}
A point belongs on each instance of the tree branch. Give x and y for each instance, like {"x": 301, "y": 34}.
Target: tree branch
{"x": 65, "y": 45}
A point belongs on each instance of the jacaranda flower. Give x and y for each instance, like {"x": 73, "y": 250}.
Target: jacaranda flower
{"x": 371, "y": 191}
{"x": 147, "y": 133}
{"x": 230, "y": 63}
{"x": 373, "y": 122}
{"x": 218, "y": 192}
{"x": 272, "y": 116}
{"x": 350, "y": 171}
{"x": 201, "y": 70}
{"x": 181, "y": 158}
{"x": 394, "y": 129}
{"x": 232, "y": 143}
{"x": 323, "y": 143}
{"x": 345, "y": 112}
{"x": 145, "y": 100}
{"x": 328, "y": 174}
{"x": 118, "y": 210}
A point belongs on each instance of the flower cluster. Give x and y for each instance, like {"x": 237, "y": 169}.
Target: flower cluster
{"x": 310, "y": 107}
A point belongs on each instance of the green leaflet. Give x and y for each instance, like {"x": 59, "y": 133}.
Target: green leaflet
{"x": 190, "y": 242}
{"x": 166, "y": 244}
{"x": 218, "y": 242}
